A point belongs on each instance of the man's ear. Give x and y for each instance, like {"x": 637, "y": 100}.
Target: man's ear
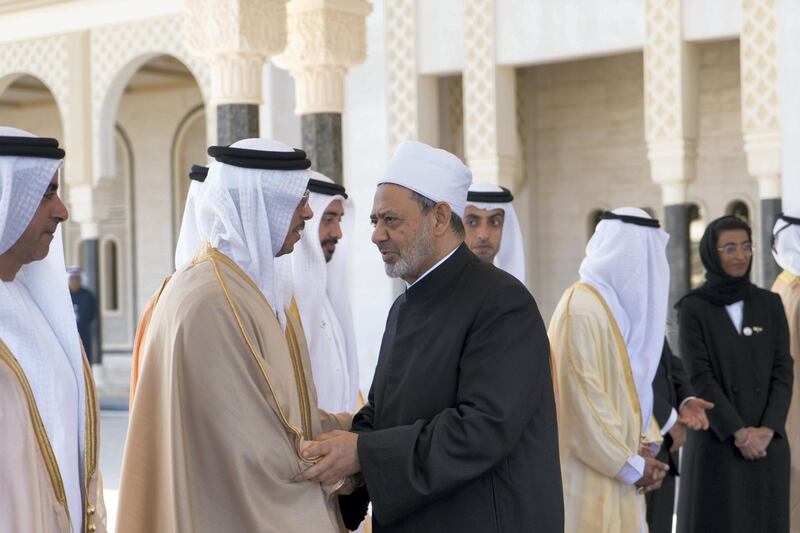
{"x": 442, "y": 214}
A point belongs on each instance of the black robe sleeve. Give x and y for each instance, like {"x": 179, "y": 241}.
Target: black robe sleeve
{"x": 724, "y": 418}
{"x": 780, "y": 388}
{"x": 503, "y": 371}
{"x": 662, "y": 398}
{"x": 683, "y": 386}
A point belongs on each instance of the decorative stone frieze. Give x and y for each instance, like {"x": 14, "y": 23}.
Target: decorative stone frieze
{"x": 760, "y": 94}
{"x": 236, "y": 37}
{"x": 670, "y": 68}
{"x": 325, "y": 39}
{"x": 490, "y": 115}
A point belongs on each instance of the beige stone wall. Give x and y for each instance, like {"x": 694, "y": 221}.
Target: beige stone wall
{"x": 585, "y": 151}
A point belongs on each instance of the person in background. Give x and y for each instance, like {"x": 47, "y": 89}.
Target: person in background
{"x": 734, "y": 340}
{"x": 85, "y": 307}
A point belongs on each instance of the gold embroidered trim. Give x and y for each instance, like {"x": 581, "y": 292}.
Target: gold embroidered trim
{"x": 626, "y": 364}
{"x": 212, "y": 256}
{"x": 90, "y": 445}
{"x": 39, "y": 430}
{"x": 787, "y": 277}
{"x": 299, "y": 373}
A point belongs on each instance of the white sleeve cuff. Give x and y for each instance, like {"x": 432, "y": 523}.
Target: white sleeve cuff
{"x": 632, "y": 471}
{"x": 673, "y": 417}
{"x": 686, "y": 400}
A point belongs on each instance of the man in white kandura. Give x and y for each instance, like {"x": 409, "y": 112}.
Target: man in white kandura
{"x": 49, "y": 477}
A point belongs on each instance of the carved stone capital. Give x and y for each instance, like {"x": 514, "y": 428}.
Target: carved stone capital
{"x": 236, "y": 78}
{"x": 236, "y": 37}
{"x": 764, "y": 162}
{"x": 325, "y": 39}
{"x": 673, "y": 164}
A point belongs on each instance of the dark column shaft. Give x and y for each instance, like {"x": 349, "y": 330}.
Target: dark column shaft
{"x": 676, "y": 223}
{"x": 91, "y": 263}
{"x": 770, "y": 209}
{"x": 322, "y": 141}
{"x": 236, "y": 122}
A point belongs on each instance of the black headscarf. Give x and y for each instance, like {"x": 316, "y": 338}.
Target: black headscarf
{"x": 720, "y": 288}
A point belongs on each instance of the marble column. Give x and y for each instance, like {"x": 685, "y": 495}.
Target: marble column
{"x": 325, "y": 39}
{"x": 322, "y": 141}
{"x": 91, "y": 267}
{"x": 236, "y": 122}
{"x": 770, "y": 209}
{"x": 676, "y": 223}
{"x": 236, "y": 49}
{"x": 761, "y": 121}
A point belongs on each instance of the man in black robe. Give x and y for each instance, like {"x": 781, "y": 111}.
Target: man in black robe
{"x": 734, "y": 340}
{"x": 85, "y": 307}
{"x": 459, "y": 433}
{"x": 676, "y": 410}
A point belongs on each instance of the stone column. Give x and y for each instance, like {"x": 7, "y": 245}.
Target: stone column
{"x": 79, "y": 176}
{"x": 761, "y": 120}
{"x": 490, "y": 112}
{"x": 670, "y": 85}
{"x": 789, "y": 55}
{"x": 236, "y": 37}
{"x": 325, "y": 39}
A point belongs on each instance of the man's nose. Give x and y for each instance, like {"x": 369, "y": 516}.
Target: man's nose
{"x": 336, "y": 230}
{"x": 60, "y": 210}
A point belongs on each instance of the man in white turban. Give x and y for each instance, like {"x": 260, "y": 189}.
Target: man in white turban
{"x": 492, "y": 228}
{"x": 608, "y": 334}
{"x": 49, "y": 477}
{"x": 319, "y": 286}
{"x": 459, "y": 431}
{"x": 225, "y": 401}
{"x": 786, "y": 250}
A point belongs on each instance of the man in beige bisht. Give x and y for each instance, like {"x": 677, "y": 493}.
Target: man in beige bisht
{"x": 786, "y": 249}
{"x": 225, "y": 400}
{"x": 607, "y": 334}
{"x": 49, "y": 479}
{"x": 188, "y": 240}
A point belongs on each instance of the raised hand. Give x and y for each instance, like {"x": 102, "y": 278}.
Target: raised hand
{"x": 693, "y": 413}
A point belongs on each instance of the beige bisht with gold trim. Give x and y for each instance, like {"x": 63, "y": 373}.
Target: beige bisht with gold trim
{"x": 788, "y": 287}
{"x": 221, "y": 412}
{"x": 600, "y": 421}
{"x": 33, "y": 498}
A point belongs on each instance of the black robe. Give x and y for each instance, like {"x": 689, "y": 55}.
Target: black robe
{"x": 671, "y": 387}
{"x": 459, "y": 434}
{"x": 749, "y": 379}
{"x": 85, "y": 307}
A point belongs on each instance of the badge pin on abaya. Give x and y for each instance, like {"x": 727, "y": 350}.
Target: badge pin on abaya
{"x": 749, "y": 331}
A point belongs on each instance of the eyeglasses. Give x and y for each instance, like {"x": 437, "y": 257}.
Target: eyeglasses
{"x": 304, "y": 200}
{"x": 730, "y": 248}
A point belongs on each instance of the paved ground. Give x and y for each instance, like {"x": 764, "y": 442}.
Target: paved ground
{"x": 113, "y": 426}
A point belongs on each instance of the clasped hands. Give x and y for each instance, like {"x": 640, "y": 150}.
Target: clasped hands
{"x": 753, "y": 441}
{"x": 337, "y": 458}
{"x": 654, "y": 472}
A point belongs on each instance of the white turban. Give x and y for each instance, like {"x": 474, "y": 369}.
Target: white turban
{"x": 313, "y": 279}
{"x": 511, "y": 255}
{"x": 434, "y": 173}
{"x": 628, "y": 264}
{"x": 23, "y": 182}
{"x": 787, "y": 244}
{"x": 245, "y": 213}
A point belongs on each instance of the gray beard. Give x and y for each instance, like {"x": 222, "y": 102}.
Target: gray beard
{"x": 418, "y": 251}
